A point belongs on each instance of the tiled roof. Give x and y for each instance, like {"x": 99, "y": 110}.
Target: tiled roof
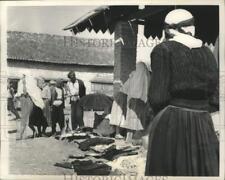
{"x": 23, "y": 46}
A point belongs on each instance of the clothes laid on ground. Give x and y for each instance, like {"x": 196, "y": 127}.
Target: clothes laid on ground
{"x": 128, "y": 165}
{"x": 66, "y": 165}
{"x": 96, "y": 161}
{"x": 77, "y": 156}
{"x": 91, "y": 167}
{"x": 73, "y": 135}
{"x": 114, "y": 152}
{"x": 182, "y": 137}
{"x": 84, "y": 146}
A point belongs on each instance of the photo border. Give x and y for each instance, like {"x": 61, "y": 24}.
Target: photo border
{"x": 3, "y": 110}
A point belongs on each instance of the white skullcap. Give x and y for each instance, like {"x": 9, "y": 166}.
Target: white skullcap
{"x": 178, "y": 15}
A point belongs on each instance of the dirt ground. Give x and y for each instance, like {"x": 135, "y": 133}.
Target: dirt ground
{"x": 38, "y": 156}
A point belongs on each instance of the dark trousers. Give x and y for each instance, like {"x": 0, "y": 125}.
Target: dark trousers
{"x": 76, "y": 115}
{"x": 57, "y": 117}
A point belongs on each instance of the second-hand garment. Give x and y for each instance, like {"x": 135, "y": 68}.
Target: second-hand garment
{"x": 91, "y": 167}
{"x": 85, "y": 145}
{"x": 136, "y": 88}
{"x": 182, "y": 137}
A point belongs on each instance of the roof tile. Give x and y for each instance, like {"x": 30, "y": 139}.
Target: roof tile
{"x": 59, "y": 49}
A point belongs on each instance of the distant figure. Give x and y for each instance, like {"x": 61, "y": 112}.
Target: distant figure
{"x": 76, "y": 90}
{"x": 30, "y": 96}
{"x": 11, "y": 105}
{"x": 57, "y": 107}
{"x": 46, "y": 96}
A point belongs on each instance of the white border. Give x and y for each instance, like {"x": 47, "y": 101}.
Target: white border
{"x": 4, "y": 144}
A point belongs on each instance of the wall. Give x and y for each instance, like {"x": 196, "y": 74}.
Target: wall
{"x": 54, "y": 71}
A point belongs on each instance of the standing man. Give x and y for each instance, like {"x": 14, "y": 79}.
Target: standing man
{"x": 57, "y": 108}
{"x": 46, "y": 96}
{"x": 76, "y": 90}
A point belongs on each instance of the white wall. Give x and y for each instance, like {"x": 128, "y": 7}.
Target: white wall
{"x": 50, "y": 73}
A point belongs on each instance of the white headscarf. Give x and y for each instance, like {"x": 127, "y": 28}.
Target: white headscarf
{"x": 183, "y": 19}
{"x": 32, "y": 89}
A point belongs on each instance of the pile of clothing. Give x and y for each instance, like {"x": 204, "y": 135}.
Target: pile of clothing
{"x": 97, "y": 153}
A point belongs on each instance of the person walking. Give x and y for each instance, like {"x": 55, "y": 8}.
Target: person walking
{"x": 30, "y": 96}
{"x": 182, "y": 139}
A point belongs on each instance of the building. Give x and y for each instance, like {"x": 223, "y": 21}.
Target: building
{"x": 53, "y": 56}
{"x": 129, "y": 22}
{"x": 103, "y": 84}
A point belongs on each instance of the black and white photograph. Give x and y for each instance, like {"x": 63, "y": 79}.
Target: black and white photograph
{"x": 101, "y": 90}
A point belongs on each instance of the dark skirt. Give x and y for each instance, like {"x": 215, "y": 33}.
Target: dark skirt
{"x": 37, "y": 117}
{"x": 182, "y": 142}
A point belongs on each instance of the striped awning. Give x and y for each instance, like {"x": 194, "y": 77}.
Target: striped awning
{"x": 152, "y": 17}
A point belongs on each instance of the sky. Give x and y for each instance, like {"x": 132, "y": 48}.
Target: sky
{"x": 48, "y": 19}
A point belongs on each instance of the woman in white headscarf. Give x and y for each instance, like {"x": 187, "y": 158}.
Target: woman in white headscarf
{"x": 182, "y": 140}
{"x": 30, "y": 97}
